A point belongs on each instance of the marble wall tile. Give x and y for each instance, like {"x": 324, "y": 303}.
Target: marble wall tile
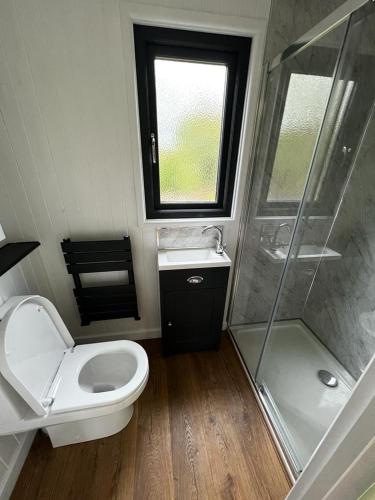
{"x": 341, "y": 303}
{"x": 186, "y": 237}
{"x": 258, "y": 277}
{"x": 335, "y": 298}
{"x": 340, "y": 308}
{"x": 290, "y": 19}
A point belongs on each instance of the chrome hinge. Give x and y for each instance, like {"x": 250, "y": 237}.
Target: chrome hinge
{"x": 47, "y": 402}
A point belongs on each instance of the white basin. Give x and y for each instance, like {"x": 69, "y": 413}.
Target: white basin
{"x": 191, "y": 258}
{"x": 306, "y": 253}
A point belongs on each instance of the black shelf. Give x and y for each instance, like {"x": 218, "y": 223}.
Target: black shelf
{"x": 12, "y": 253}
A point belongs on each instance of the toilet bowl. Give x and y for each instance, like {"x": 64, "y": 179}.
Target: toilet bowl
{"x": 75, "y": 393}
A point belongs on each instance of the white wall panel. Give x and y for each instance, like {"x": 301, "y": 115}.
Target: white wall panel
{"x": 66, "y": 166}
{"x": 12, "y": 448}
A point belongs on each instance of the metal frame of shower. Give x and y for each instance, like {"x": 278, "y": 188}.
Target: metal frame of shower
{"x": 338, "y": 16}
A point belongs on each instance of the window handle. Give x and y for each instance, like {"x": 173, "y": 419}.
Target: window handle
{"x": 153, "y": 148}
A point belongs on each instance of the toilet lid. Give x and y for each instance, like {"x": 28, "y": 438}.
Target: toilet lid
{"x": 33, "y": 340}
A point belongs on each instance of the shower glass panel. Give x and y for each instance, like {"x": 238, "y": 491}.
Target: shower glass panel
{"x": 305, "y": 104}
{"x": 322, "y": 333}
{"x": 295, "y": 102}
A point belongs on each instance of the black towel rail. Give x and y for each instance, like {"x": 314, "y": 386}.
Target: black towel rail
{"x": 97, "y": 303}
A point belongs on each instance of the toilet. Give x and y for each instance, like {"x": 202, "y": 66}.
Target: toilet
{"x": 74, "y": 392}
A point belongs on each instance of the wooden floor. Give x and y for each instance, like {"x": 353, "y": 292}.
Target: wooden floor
{"x": 196, "y": 433}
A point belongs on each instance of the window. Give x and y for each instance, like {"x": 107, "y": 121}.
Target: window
{"x": 191, "y": 89}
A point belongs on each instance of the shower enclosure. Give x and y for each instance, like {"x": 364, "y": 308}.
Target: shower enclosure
{"x": 302, "y": 314}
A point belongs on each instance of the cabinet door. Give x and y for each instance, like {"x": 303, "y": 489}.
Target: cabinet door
{"x": 192, "y": 319}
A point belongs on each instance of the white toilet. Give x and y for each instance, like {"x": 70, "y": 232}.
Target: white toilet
{"x": 75, "y": 393}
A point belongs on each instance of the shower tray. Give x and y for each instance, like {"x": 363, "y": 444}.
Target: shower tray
{"x": 303, "y": 415}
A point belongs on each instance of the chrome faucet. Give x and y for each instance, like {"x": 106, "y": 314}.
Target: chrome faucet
{"x": 274, "y": 244}
{"x": 219, "y": 242}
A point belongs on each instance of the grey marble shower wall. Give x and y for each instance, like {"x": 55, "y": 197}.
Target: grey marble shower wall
{"x": 336, "y": 299}
{"x": 258, "y": 277}
{"x": 340, "y": 308}
{"x": 290, "y": 19}
{"x": 341, "y": 303}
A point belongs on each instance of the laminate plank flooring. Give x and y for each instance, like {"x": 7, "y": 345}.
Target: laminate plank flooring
{"x": 197, "y": 433}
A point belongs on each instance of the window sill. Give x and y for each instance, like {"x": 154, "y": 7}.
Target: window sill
{"x": 191, "y": 222}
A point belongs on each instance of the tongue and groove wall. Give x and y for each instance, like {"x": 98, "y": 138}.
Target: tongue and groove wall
{"x": 13, "y": 448}
{"x": 65, "y": 144}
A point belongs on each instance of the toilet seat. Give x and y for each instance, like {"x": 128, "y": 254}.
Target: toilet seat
{"x": 33, "y": 342}
{"x": 67, "y": 394}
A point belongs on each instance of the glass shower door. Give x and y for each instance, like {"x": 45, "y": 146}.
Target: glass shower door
{"x": 296, "y": 98}
{"x": 322, "y": 330}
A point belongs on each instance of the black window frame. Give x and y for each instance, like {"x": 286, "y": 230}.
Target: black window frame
{"x": 177, "y": 44}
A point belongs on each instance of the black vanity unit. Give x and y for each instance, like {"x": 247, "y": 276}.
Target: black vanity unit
{"x": 192, "y": 308}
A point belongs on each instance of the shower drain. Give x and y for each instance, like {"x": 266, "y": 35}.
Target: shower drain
{"x": 327, "y": 378}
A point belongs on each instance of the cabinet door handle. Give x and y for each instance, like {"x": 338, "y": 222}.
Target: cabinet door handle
{"x": 169, "y": 323}
{"x": 195, "y": 280}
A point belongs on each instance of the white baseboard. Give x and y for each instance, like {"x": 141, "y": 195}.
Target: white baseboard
{"x": 15, "y": 466}
{"x": 152, "y": 333}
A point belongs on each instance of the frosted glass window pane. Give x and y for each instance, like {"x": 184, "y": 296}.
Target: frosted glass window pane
{"x": 303, "y": 114}
{"x": 190, "y": 99}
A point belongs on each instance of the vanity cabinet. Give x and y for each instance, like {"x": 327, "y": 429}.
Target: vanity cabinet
{"x": 192, "y": 308}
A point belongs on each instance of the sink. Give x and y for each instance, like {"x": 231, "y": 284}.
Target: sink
{"x": 199, "y": 254}
{"x": 191, "y": 258}
{"x": 306, "y": 253}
